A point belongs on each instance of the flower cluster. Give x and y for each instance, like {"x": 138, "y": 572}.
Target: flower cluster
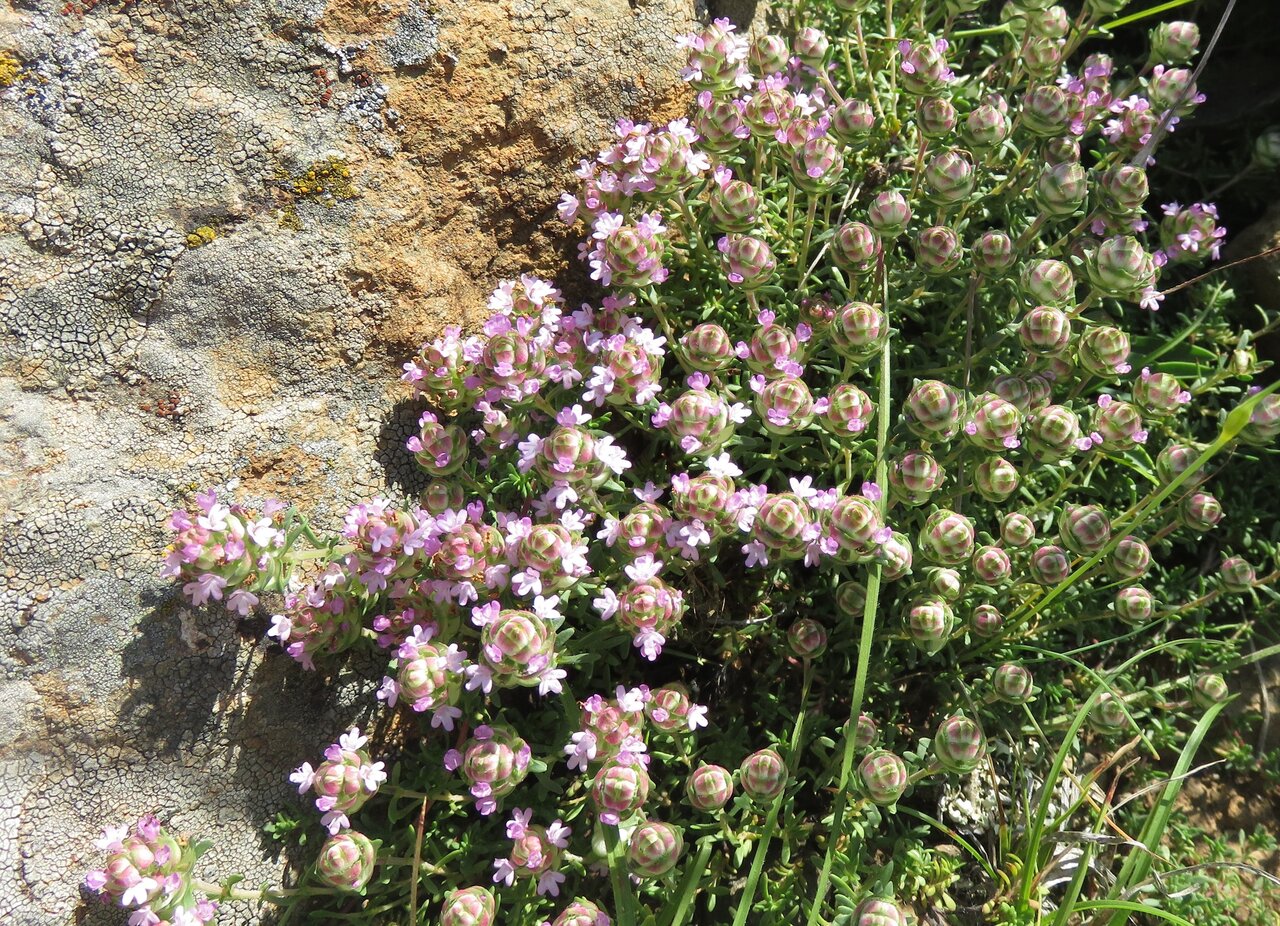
{"x": 871, "y": 392}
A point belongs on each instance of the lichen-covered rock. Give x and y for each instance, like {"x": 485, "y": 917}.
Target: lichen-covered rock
{"x": 223, "y": 226}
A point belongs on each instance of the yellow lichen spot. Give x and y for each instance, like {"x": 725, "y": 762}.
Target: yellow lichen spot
{"x": 201, "y": 236}
{"x": 326, "y": 182}
{"x": 289, "y": 218}
{"x": 10, "y": 70}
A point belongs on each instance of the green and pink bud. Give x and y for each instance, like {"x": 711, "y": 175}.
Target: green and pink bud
{"x": 846, "y": 412}
{"x": 854, "y": 246}
{"x": 346, "y": 861}
{"x": 930, "y": 622}
{"x": 1050, "y": 565}
{"x": 654, "y": 849}
{"x": 915, "y": 477}
{"x": 950, "y": 177}
{"x": 807, "y": 639}
{"x": 1237, "y": 574}
{"x": 763, "y": 775}
{"x": 1174, "y": 42}
{"x": 959, "y": 744}
{"x": 889, "y": 214}
{"x": 938, "y": 250}
{"x": 1017, "y": 530}
{"x": 581, "y": 912}
{"x": 993, "y": 253}
{"x": 734, "y": 206}
{"x": 1012, "y": 683}
{"x": 1159, "y": 395}
{"x": 1049, "y": 282}
{"x": 769, "y": 54}
{"x": 1134, "y": 605}
{"x": 875, "y": 911}
{"x": 936, "y": 118}
{"x": 470, "y": 906}
{"x": 1084, "y": 529}
{"x": 859, "y": 330}
{"x": 1061, "y": 189}
{"x": 1200, "y": 512}
{"x": 992, "y": 565}
{"x": 709, "y": 788}
{"x": 986, "y": 126}
{"x": 1130, "y": 559}
{"x": 852, "y": 122}
{"x": 619, "y": 790}
{"x": 947, "y": 538}
{"x": 884, "y": 777}
{"x": 748, "y": 262}
{"x": 933, "y": 410}
{"x": 995, "y": 479}
{"x": 986, "y": 621}
{"x": 1045, "y": 331}
{"x": 1104, "y": 351}
{"x": 1208, "y": 690}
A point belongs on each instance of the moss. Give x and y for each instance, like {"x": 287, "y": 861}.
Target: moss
{"x": 10, "y": 69}
{"x": 327, "y": 182}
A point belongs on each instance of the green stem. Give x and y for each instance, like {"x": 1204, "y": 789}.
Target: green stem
{"x": 868, "y": 631}
{"x": 624, "y": 902}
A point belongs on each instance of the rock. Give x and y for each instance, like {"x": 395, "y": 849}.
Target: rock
{"x": 360, "y": 174}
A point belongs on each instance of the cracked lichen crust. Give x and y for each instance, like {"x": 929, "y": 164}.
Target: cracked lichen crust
{"x": 223, "y": 226}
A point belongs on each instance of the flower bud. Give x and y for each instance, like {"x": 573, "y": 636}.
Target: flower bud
{"x": 915, "y": 477}
{"x": 620, "y": 788}
{"x": 992, "y": 253}
{"x": 854, "y": 246}
{"x": 1103, "y": 351}
{"x": 817, "y": 164}
{"x": 945, "y": 584}
{"x": 1108, "y": 714}
{"x": 700, "y": 420}
{"x": 748, "y": 262}
{"x": 763, "y": 775}
{"x": 441, "y": 496}
{"x": 933, "y": 410}
{"x": 852, "y": 122}
{"x": 865, "y": 732}
{"x": 471, "y": 906}
{"x": 856, "y": 525}
{"x": 709, "y": 788}
{"x": 1084, "y": 529}
{"x": 1017, "y": 530}
{"x": 894, "y": 556}
{"x": 1208, "y": 690}
{"x": 1120, "y": 267}
{"x": 1172, "y": 88}
{"x": 1052, "y": 433}
{"x": 947, "y": 537}
{"x": 1192, "y": 234}
{"x": 1134, "y": 605}
{"x": 849, "y": 411}
{"x": 654, "y": 849}
{"x": 986, "y": 621}
{"x": 769, "y": 54}
{"x": 668, "y": 709}
{"x": 1174, "y": 42}
{"x": 889, "y": 214}
{"x": 995, "y": 479}
{"x": 720, "y": 126}
{"x": 1045, "y": 331}
{"x": 950, "y": 177}
{"x": 1130, "y": 559}
{"x": 784, "y": 405}
{"x": 781, "y": 524}
{"x": 811, "y": 46}
{"x": 923, "y": 69}
{"x": 1266, "y": 147}
{"x": 1062, "y": 149}
{"x": 1120, "y": 426}
{"x": 884, "y": 777}
{"x": 1050, "y": 565}
{"x": 1045, "y": 111}
{"x": 930, "y": 621}
{"x": 734, "y": 207}
{"x": 1124, "y": 189}
{"x": 708, "y": 348}
{"x": 1174, "y": 460}
{"x": 874, "y": 911}
{"x": 859, "y": 329}
{"x": 346, "y": 861}
{"x": 1159, "y": 394}
{"x": 1061, "y": 189}
{"x": 495, "y": 765}
{"x": 1012, "y": 683}
{"x": 807, "y": 639}
{"x": 1236, "y": 574}
{"x": 936, "y": 118}
{"x": 992, "y": 565}
{"x": 1049, "y": 282}
{"x": 581, "y": 913}
{"x": 986, "y": 127}
{"x": 1200, "y": 512}
{"x": 959, "y": 744}
{"x": 851, "y": 598}
{"x": 994, "y": 424}
{"x": 938, "y": 250}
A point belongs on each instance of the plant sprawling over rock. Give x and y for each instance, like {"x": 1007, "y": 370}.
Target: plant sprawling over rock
{"x": 860, "y": 496}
